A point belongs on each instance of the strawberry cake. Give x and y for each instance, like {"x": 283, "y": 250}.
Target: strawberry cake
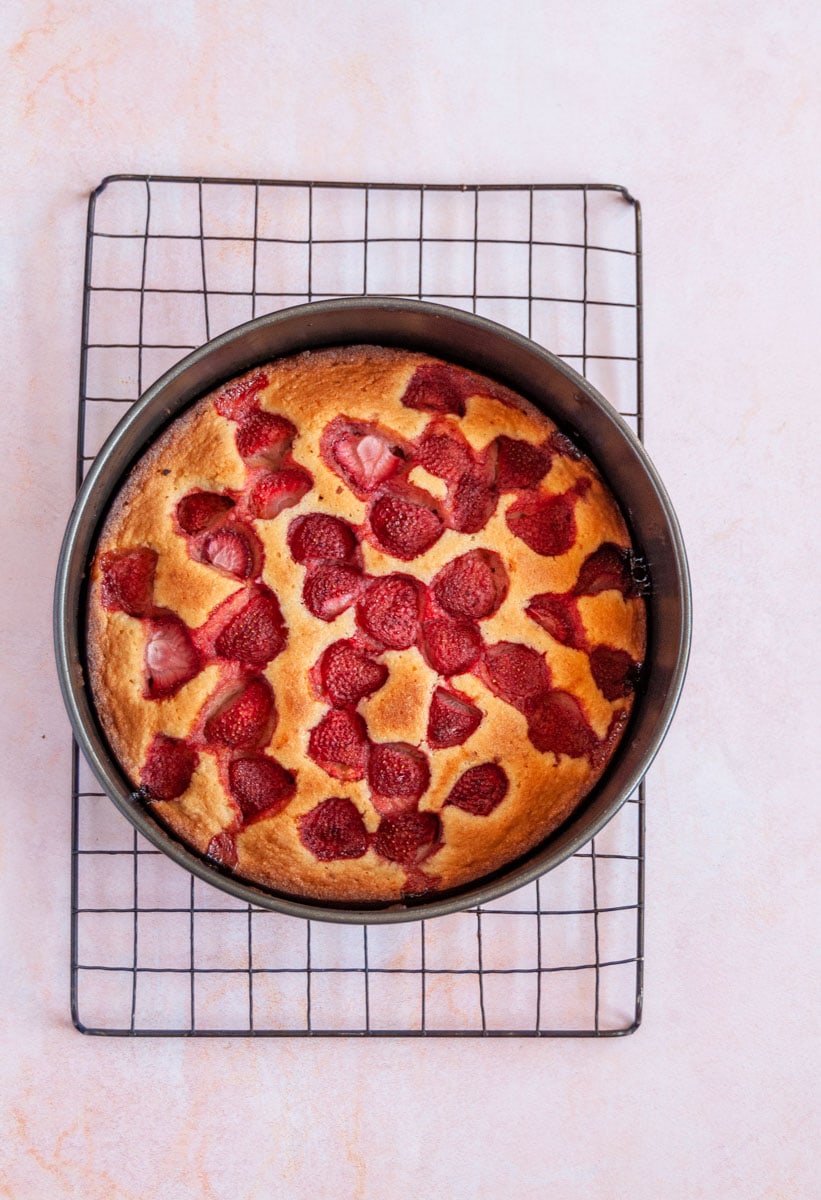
{"x": 363, "y": 626}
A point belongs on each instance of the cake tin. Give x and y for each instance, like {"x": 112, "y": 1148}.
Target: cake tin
{"x": 481, "y": 345}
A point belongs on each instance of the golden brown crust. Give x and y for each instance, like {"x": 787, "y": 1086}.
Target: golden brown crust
{"x": 199, "y": 451}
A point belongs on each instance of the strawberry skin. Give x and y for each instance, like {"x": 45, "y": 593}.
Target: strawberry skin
{"x": 479, "y": 790}
{"x": 334, "y": 829}
{"x": 168, "y": 767}
{"x": 246, "y": 719}
{"x": 128, "y": 581}
{"x": 170, "y": 658}
{"x": 257, "y": 634}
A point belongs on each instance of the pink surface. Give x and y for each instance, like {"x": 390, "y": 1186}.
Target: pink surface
{"x": 711, "y": 117}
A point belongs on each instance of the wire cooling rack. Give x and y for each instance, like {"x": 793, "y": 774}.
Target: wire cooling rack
{"x": 172, "y": 262}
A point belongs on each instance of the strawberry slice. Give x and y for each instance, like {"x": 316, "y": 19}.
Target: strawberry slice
{"x": 345, "y": 675}
{"x": 471, "y": 502}
{"x": 438, "y": 387}
{"x": 389, "y": 610}
{"x": 170, "y": 659}
{"x": 558, "y": 613}
{"x": 519, "y": 464}
{"x": 246, "y": 718}
{"x": 334, "y": 829}
{"x": 237, "y": 399}
{"x": 222, "y": 849}
{"x": 257, "y": 634}
{"x": 330, "y": 588}
{"x": 168, "y": 767}
{"x": 547, "y": 524}
{"x": 263, "y": 439}
{"x": 606, "y": 569}
{"x": 339, "y": 744}
{"x": 557, "y": 723}
{"x": 367, "y": 460}
{"x": 128, "y": 581}
{"x": 320, "y": 536}
{"x": 362, "y": 453}
{"x": 409, "y": 838}
{"x": 450, "y": 647}
{"x": 443, "y": 452}
{"x": 259, "y": 785}
{"x": 616, "y": 673}
{"x": 234, "y": 550}
{"x": 398, "y": 776}
{"x": 278, "y": 490}
{"x": 479, "y": 790}
{"x": 198, "y": 511}
{"x": 516, "y": 673}
{"x": 472, "y": 586}
{"x": 405, "y": 525}
{"x": 452, "y": 719}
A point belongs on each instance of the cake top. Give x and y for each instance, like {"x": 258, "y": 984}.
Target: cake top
{"x": 363, "y": 625}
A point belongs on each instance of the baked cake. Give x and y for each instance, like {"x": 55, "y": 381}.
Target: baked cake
{"x": 363, "y": 626}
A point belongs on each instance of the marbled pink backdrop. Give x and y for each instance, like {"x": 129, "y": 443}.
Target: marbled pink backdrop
{"x": 710, "y": 113}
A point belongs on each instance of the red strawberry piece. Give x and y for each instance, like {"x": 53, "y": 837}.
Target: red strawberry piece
{"x": 170, "y": 659}
{"x": 471, "y": 503}
{"x": 479, "y": 790}
{"x": 419, "y": 883}
{"x": 198, "y": 511}
{"x": 334, "y": 829}
{"x": 398, "y": 775}
{"x": 557, "y": 723}
{"x": 438, "y": 387}
{"x": 452, "y": 719}
{"x": 519, "y": 464}
{"x": 330, "y": 588}
{"x": 238, "y": 398}
{"x": 472, "y": 586}
{"x": 365, "y": 460}
{"x": 450, "y": 647}
{"x": 606, "y": 569}
{"x": 263, "y": 439}
{"x": 246, "y": 718}
{"x": 615, "y": 672}
{"x": 259, "y": 785}
{"x": 516, "y": 673}
{"x": 409, "y": 838}
{"x": 444, "y": 453}
{"x": 222, "y": 849}
{"x": 234, "y": 550}
{"x": 346, "y": 675}
{"x": 547, "y": 524}
{"x": 168, "y": 767}
{"x": 278, "y": 490}
{"x": 339, "y": 744}
{"x": 389, "y": 610}
{"x": 257, "y": 634}
{"x": 128, "y": 581}
{"x": 558, "y": 613}
{"x": 405, "y": 526}
{"x": 362, "y": 453}
{"x": 320, "y": 536}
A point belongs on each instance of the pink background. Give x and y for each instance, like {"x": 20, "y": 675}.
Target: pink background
{"x": 709, "y": 113}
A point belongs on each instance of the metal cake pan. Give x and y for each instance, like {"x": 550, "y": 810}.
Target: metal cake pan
{"x": 485, "y": 347}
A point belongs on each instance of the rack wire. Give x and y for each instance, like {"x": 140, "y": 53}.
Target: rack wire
{"x": 170, "y": 263}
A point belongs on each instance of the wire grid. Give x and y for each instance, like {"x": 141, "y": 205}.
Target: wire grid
{"x": 172, "y": 262}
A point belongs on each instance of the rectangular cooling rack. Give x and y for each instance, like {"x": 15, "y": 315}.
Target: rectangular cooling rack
{"x": 171, "y": 263}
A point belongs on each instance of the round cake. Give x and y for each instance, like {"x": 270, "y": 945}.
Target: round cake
{"x": 363, "y": 625}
